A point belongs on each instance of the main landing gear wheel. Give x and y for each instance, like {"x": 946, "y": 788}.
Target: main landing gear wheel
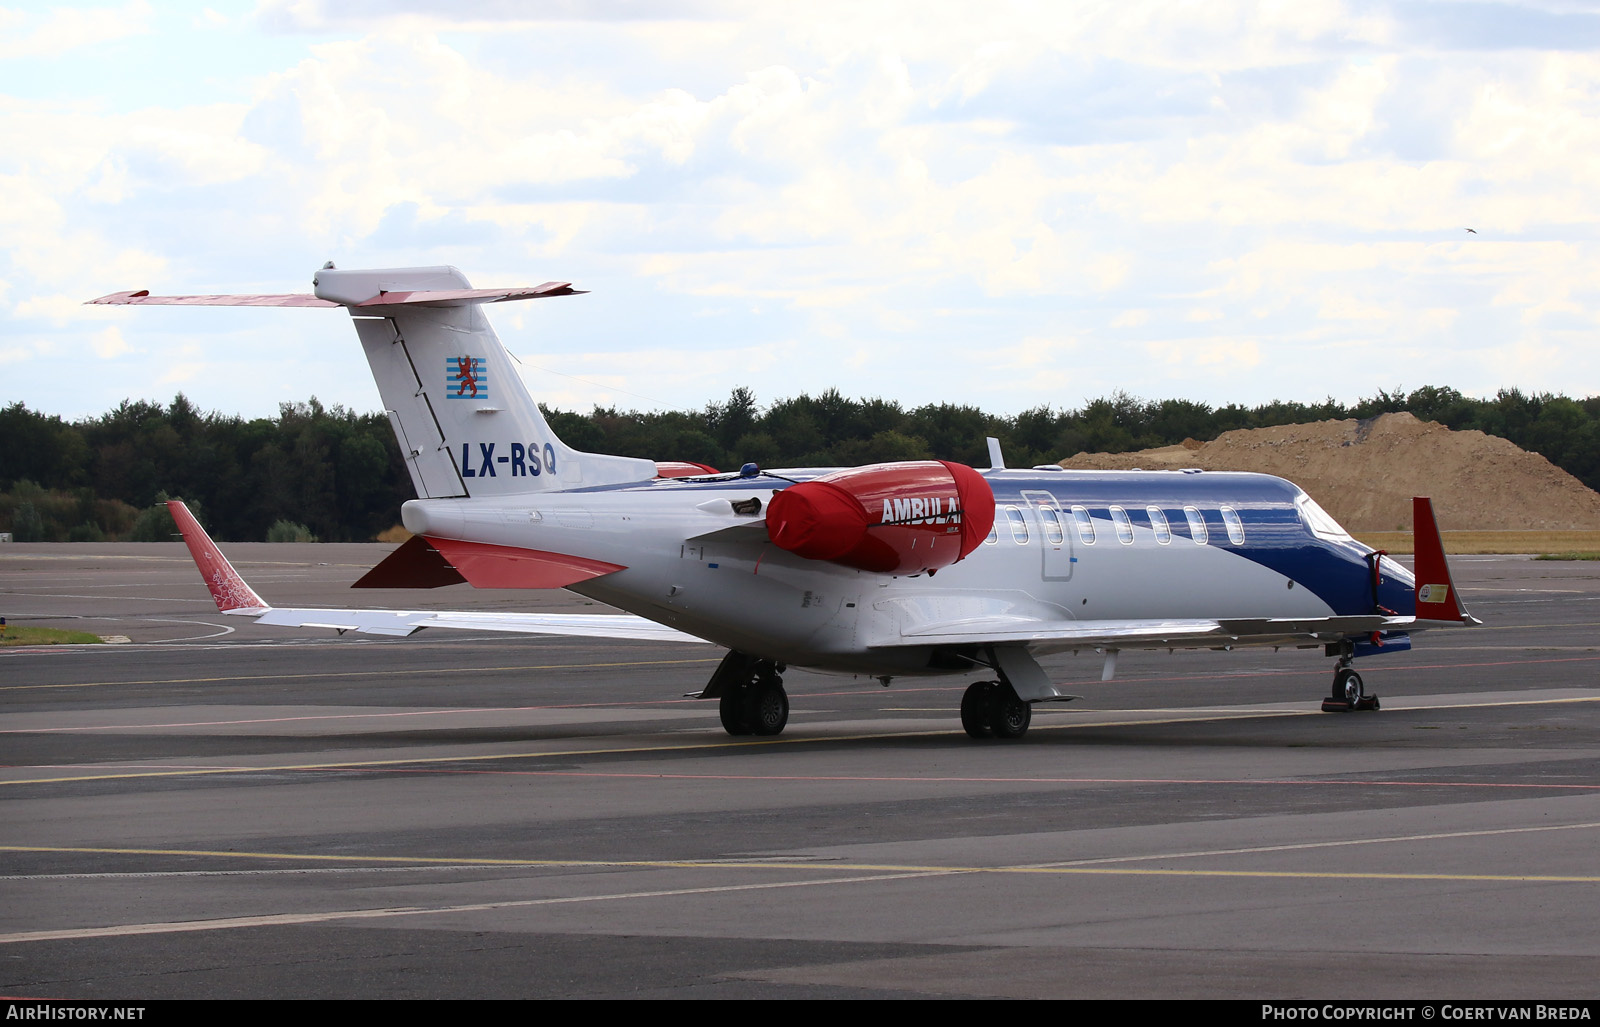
{"x": 991, "y": 709}
{"x": 975, "y": 703}
{"x": 757, "y": 706}
{"x": 731, "y": 708}
{"x": 769, "y": 707}
{"x": 1009, "y": 716}
{"x": 1349, "y": 694}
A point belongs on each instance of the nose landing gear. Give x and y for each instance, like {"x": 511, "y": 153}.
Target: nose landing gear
{"x": 1349, "y": 693}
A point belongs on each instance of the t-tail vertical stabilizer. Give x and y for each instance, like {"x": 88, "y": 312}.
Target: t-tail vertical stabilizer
{"x": 462, "y": 415}
{"x": 464, "y": 420}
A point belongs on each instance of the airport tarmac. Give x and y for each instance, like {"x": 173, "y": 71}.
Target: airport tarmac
{"x": 220, "y": 810}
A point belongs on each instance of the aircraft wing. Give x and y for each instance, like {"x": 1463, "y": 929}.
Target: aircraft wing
{"x": 234, "y": 597}
{"x": 1063, "y": 635}
{"x": 405, "y": 622}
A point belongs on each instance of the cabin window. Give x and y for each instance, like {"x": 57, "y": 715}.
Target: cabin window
{"x": 1197, "y": 525}
{"x": 1052, "y": 524}
{"x": 994, "y": 536}
{"x": 1158, "y": 524}
{"x": 1119, "y": 517}
{"x": 1085, "y": 525}
{"x": 1230, "y": 517}
{"x": 1019, "y": 526}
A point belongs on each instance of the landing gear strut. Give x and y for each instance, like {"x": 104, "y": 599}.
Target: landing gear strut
{"x": 1349, "y": 694}
{"x": 991, "y": 709}
{"x": 752, "y": 700}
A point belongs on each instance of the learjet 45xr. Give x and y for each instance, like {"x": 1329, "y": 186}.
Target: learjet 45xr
{"x": 885, "y": 570}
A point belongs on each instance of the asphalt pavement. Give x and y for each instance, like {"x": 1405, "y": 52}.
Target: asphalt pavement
{"x": 214, "y": 809}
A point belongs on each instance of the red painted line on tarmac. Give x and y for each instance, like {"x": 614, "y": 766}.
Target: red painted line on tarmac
{"x": 904, "y": 779}
{"x": 1236, "y": 675}
{"x": 1233, "y": 675}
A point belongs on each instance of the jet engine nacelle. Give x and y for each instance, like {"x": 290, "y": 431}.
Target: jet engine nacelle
{"x": 901, "y": 518}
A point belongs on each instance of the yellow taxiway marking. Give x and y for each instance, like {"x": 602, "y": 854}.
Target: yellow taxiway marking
{"x": 379, "y": 764}
{"x": 413, "y": 672}
{"x": 290, "y": 919}
{"x": 1094, "y": 864}
{"x": 730, "y": 743}
{"x": 861, "y": 873}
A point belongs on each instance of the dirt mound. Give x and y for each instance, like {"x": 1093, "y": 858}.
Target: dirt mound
{"x": 1364, "y": 473}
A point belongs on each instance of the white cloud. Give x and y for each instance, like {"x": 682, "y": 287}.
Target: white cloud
{"x": 1229, "y": 354}
{"x": 179, "y": 371}
{"x": 109, "y": 343}
{"x": 68, "y": 28}
{"x": 902, "y": 189}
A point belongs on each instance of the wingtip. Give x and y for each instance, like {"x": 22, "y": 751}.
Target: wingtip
{"x": 1436, "y": 595}
{"x": 228, "y": 588}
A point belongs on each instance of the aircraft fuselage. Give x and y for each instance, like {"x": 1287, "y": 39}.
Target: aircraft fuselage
{"x": 1067, "y": 546}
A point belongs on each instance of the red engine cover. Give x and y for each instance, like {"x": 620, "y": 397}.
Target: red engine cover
{"x": 902, "y": 518}
{"x": 681, "y": 469}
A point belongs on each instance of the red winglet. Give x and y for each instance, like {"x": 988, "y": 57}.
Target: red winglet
{"x": 1436, "y": 593}
{"x": 490, "y": 566}
{"x": 227, "y": 587}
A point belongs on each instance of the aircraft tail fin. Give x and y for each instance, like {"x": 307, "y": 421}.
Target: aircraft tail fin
{"x": 227, "y": 587}
{"x": 1437, "y": 598}
{"x": 464, "y": 420}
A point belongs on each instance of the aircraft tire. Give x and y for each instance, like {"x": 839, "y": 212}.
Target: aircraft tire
{"x": 768, "y": 708}
{"x": 1347, "y": 687}
{"x": 734, "y": 709}
{"x": 975, "y": 709}
{"x": 1009, "y": 716}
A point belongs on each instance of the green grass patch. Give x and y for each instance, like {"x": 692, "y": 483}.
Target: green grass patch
{"x": 1589, "y": 554}
{"x": 13, "y": 635}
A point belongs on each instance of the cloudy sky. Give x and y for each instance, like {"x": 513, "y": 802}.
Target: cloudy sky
{"x": 1004, "y": 204}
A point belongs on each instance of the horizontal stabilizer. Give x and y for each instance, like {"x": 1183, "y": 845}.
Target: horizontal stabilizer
{"x": 143, "y": 298}
{"x": 463, "y": 297}
{"x": 412, "y": 298}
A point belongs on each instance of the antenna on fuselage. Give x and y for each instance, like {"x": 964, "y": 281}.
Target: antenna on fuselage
{"x": 997, "y": 462}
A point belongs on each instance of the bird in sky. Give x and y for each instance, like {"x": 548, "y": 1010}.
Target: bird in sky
{"x": 1474, "y": 231}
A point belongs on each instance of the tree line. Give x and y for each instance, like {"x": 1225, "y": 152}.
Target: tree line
{"x": 336, "y": 475}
